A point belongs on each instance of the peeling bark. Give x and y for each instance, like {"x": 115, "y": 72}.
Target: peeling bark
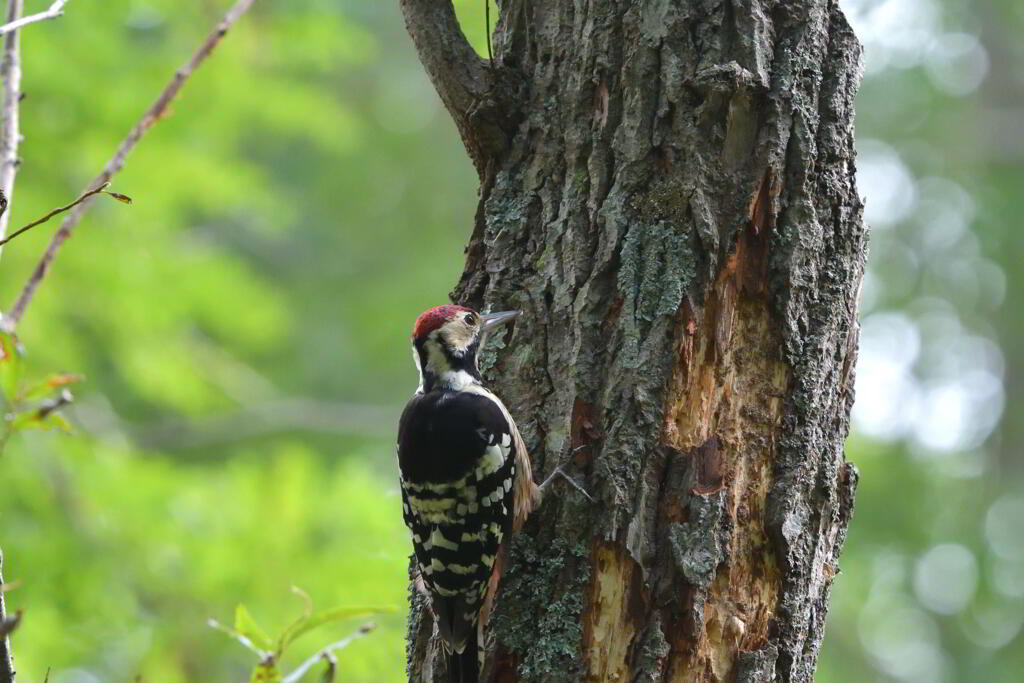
{"x": 672, "y": 206}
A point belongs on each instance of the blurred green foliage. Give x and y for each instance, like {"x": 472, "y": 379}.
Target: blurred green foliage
{"x": 932, "y": 582}
{"x": 242, "y": 334}
{"x": 305, "y": 199}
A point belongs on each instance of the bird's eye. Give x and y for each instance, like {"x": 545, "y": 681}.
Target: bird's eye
{"x": 470, "y": 319}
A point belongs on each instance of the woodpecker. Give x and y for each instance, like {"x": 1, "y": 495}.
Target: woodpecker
{"x": 465, "y": 478}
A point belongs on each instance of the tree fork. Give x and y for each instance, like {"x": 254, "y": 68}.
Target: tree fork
{"x": 668, "y": 194}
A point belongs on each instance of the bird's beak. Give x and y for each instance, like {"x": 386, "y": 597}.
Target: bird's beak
{"x": 492, "y": 320}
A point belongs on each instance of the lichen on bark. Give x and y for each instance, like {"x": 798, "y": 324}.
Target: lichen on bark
{"x": 535, "y": 567}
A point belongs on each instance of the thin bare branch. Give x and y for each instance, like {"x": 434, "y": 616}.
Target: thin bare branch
{"x": 55, "y": 10}
{"x": 10, "y": 70}
{"x": 9, "y": 624}
{"x": 61, "y": 209}
{"x": 487, "y": 29}
{"x": 152, "y": 115}
{"x": 241, "y": 639}
{"x": 327, "y": 654}
{"x": 7, "y": 674}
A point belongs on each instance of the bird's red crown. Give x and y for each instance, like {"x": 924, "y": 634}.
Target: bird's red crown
{"x": 432, "y": 319}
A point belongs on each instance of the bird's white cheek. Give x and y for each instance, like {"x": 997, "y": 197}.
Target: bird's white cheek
{"x": 460, "y": 337}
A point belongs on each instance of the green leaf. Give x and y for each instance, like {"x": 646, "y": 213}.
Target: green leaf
{"x": 307, "y": 602}
{"x": 306, "y": 624}
{"x": 10, "y": 366}
{"x": 307, "y": 612}
{"x": 123, "y": 198}
{"x": 33, "y": 419}
{"x": 246, "y": 626}
{"x": 44, "y": 388}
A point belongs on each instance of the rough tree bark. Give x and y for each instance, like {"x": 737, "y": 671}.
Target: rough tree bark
{"x": 667, "y": 192}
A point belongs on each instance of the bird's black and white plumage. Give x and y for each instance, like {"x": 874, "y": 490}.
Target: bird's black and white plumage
{"x": 465, "y": 476}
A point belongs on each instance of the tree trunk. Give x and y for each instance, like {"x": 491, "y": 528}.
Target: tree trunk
{"x": 667, "y": 193}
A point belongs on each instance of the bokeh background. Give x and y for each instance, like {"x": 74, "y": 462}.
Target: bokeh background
{"x": 243, "y": 329}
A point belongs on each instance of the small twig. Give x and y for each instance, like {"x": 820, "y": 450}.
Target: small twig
{"x": 10, "y": 70}
{"x": 559, "y": 472}
{"x": 55, "y": 10}
{"x": 152, "y": 115}
{"x": 487, "y": 23}
{"x": 9, "y": 624}
{"x": 332, "y": 667}
{"x": 39, "y": 221}
{"x": 327, "y": 653}
{"x": 242, "y": 640}
{"x": 65, "y": 397}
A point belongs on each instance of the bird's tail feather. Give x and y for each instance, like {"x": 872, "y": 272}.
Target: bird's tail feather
{"x": 464, "y": 667}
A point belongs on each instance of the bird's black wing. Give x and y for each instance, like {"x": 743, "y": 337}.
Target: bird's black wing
{"x": 456, "y": 455}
